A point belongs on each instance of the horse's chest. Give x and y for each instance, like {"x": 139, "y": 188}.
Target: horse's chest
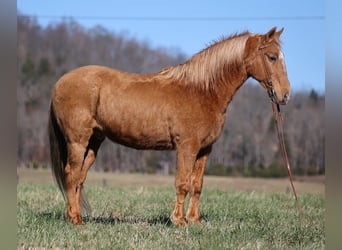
{"x": 213, "y": 130}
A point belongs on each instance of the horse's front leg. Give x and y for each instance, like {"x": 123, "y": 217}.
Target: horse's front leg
{"x": 186, "y": 156}
{"x": 193, "y": 215}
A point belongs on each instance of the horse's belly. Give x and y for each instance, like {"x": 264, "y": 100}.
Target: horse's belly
{"x": 141, "y": 137}
{"x": 141, "y": 142}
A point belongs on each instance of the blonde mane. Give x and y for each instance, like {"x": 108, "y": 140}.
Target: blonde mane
{"x": 210, "y": 66}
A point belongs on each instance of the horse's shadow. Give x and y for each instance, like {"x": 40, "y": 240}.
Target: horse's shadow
{"x": 113, "y": 220}
{"x": 161, "y": 219}
{"x": 110, "y": 220}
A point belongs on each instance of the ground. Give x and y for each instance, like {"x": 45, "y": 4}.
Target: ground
{"x": 131, "y": 211}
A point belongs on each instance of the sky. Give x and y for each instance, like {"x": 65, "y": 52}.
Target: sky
{"x": 189, "y": 26}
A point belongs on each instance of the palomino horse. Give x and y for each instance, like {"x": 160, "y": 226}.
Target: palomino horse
{"x": 180, "y": 108}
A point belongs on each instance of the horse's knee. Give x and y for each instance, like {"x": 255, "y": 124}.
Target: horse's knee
{"x": 183, "y": 187}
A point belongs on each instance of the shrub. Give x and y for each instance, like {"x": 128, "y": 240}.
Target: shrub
{"x": 216, "y": 169}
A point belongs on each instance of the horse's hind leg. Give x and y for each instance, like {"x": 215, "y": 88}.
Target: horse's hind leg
{"x": 81, "y": 154}
{"x": 73, "y": 167}
{"x": 196, "y": 184}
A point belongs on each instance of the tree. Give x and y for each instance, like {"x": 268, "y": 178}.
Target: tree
{"x": 44, "y": 67}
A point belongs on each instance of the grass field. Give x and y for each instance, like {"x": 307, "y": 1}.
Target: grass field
{"x": 136, "y": 216}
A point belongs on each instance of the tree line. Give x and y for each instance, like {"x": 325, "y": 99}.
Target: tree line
{"x": 248, "y": 144}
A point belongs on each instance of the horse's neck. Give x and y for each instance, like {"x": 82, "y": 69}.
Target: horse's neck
{"x": 232, "y": 84}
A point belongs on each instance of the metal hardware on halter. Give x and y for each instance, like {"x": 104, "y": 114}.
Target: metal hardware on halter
{"x": 271, "y": 93}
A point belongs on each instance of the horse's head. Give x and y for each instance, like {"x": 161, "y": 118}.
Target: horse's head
{"x": 265, "y": 63}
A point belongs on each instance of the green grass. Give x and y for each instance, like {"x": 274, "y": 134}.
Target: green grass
{"x": 138, "y": 218}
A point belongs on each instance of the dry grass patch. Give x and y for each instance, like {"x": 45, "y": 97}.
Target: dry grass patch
{"x": 303, "y": 184}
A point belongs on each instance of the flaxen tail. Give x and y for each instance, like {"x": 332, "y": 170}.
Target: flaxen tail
{"x": 58, "y": 154}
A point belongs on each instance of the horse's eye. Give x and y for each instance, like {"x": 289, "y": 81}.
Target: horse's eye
{"x": 272, "y": 58}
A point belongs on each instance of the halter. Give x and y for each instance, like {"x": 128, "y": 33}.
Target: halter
{"x": 268, "y": 81}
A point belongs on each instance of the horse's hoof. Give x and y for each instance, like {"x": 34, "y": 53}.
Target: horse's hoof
{"x": 77, "y": 220}
{"x": 79, "y": 223}
{"x": 178, "y": 222}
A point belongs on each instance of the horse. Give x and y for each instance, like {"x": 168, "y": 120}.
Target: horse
{"x": 181, "y": 108}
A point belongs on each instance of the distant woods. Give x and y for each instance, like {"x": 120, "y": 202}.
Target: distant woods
{"x": 248, "y": 144}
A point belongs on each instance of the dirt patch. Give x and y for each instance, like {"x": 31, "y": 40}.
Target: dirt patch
{"x": 313, "y": 179}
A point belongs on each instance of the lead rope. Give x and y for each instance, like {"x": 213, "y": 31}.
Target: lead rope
{"x": 278, "y": 118}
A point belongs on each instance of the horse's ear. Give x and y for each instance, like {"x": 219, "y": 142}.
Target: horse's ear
{"x": 269, "y": 35}
{"x": 278, "y": 33}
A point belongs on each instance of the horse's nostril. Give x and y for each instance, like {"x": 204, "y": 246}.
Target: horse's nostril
{"x": 286, "y": 97}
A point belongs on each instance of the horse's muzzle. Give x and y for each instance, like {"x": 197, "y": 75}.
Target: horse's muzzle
{"x": 283, "y": 100}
